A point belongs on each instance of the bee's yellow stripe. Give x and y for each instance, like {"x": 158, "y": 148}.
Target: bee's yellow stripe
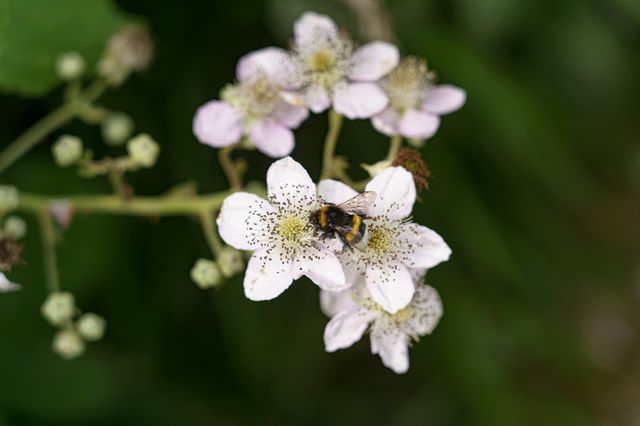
{"x": 322, "y": 216}
{"x": 355, "y": 226}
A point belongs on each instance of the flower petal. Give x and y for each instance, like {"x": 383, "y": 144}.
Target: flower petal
{"x": 317, "y": 98}
{"x": 428, "y": 248}
{"x": 268, "y": 274}
{"x": 290, "y": 115}
{"x": 274, "y": 63}
{"x": 218, "y": 124}
{"x": 335, "y": 192}
{"x": 443, "y": 99}
{"x": 241, "y": 221}
{"x": 393, "y": 349}
{"x": 359, "y": 100}
{"x": 334, "y": 302}
{"x": 390, "y": 286}
{"x": 345, "y": 329}
{"x": 320, "y": 266}
{"x": 373, "y": 61}
{"x": 7, "y": 286}
{"x": 289, "y": 185}
{"x": 386, "y": 122}
{"x": 426, "y": 302}
{"x": 396, "y": 193}
{"x": 311, "y": 26}
{"x": 418, "y": 124}
{"x": 272, "y": 139}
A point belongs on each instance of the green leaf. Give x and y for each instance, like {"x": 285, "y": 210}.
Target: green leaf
{"x": 34, "y": 33}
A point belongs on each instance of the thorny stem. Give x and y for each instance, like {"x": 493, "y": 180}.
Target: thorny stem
{"x": 230, "y": 170}
{"x": 394, "y": 147}
{"x": 335, "y": 125}
{"x": 49, "y": 249}
{"x": 49, "y": 123}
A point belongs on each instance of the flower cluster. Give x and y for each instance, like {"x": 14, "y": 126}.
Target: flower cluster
{"x": 324, "y": 68}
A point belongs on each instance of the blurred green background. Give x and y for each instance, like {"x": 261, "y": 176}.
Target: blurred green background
{"x": 536, "y": 187}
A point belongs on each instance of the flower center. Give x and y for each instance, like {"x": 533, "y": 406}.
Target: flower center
{"x": 408, "y": 83}
{"x": 379, "y": 241}
{"x": 322, "y": 60}
{"x": 257, "y": 97}
{"x": 402, "y": 314}
{"x": 292, "y": 229}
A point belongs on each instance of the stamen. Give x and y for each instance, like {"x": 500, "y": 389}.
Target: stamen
{"x": 407, "y": 84}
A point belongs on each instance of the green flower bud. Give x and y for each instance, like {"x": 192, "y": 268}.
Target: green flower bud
{"x": 70, "y": 66}
{"x": 8, "y": 197}
{"x": 68, "y": 344}
{"x": 117, "y": 128}
{"x": 206, "y": 274}
{"x": 91, "y": 327}
{"x": 67, "y": 150}
{"x": 230, "y": 262}
{"x": 143, "y": 150}
{"x": 15, "y": 226}
{"x": 58, "y": 308}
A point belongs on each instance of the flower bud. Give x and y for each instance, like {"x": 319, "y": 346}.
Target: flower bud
{"x": 10, "y": 252}
{"x": 143, "y": 150}
{"x": 68, "y": 344}
{"x": 8, "y": 197}
{"x": 230, "y": 262}
{"x": 70, "y": 66}
{"x": 58, "y": 308}
{"x": 15, "y": 226}
{"x": 117, "y": 128}
{"x": 91, "y": 327}
{"x": 67, "y": 150}
{"x": 206, "y": 274}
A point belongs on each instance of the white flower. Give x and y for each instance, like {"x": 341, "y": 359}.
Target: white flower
{"x": 394, "y": 245}
{"x": 254, "y": 107}
{"x": 415, "y": 103}
{"x": 280, "y": 233}
{"x": 7, "y": 286}
{"x": 330, "y": 70}
{"x": 353, "y": 311}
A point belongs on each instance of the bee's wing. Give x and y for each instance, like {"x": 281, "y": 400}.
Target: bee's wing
{"x": 359, "y": 204}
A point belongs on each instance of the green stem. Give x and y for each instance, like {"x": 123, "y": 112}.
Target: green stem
{"x": 229, "y": 169}
{"x": 394, "y": 147}
{"x": 330, "y": 142}
{"x": 208, "y": 223}
{"x": 49, "y": 250}
{"x": 48, "y": 124}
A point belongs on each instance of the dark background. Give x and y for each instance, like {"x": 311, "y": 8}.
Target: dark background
{"x": 535, "y": 187}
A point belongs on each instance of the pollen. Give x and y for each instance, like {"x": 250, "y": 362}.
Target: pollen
{"x": 379, "y": 241}
{"x": 257, "y": 97}
{"x": 408, "y": 83}
{"x": 322, "y": 60}
{"x": 292, "y": 228}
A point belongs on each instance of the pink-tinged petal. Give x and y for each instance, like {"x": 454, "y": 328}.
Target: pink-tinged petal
{"x": 317, "y": 99}
{"x": 428, "y": 306}
{"x": 373, "y": 61}
{"x": 396, "y": 193}
{"x": 289, "y": 185}
{"x": 218, "y": 124}
{"x": 290, "y": 115}
{"x": 334, "y": 302}
{"x": 443, "y": 99}
{"x": 393, "y": 349}
{"x": 390, "y": 286}
{"x": 272, "y": 139}
{"x": 418, "y": 124}
{"x": 345, "y": 329}
{"x": 311, "y": 27}
{"x": 320, "y": 266}
{"x": 386, "y": 122}
{"x": 268, "y": 274}
{"x": 241, "y": 221}
{"x": 359, "y": 100}
{"x": 272, "y": 62}
{"x": 429, "y": 249}
{"x": 335, "y": 192}
{"x": 7, "y": 286}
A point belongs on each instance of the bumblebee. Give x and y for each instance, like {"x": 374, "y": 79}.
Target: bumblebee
{"x": 345, "y": 220}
